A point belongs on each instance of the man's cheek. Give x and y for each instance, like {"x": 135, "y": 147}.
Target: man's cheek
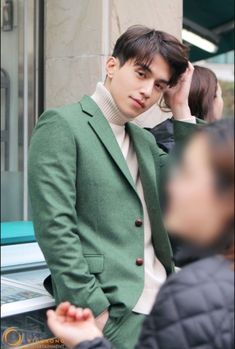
{"x": 159, "y": 96}
{"x": 152, "y": 102}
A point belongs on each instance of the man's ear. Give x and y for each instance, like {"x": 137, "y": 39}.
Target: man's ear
{"x": 112, "y": 65}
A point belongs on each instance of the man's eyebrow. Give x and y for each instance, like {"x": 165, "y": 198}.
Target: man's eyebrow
{"x": 144, "y": 67}
{"x": 162, "y": 81}
{"x": 148, "y": 69}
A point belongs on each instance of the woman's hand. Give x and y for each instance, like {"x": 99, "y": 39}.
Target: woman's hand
{"x": 177, "y": 96}
{"x": 72, "y": 325}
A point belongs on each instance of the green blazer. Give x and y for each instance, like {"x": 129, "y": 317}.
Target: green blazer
{"x": 85, "y": 205}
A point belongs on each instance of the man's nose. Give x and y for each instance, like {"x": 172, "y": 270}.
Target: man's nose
{"x": 147, "y": 89}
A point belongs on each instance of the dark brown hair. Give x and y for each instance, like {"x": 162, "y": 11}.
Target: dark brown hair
{"x": 202, "y": 93}
{"x": 141, "y": 44}
{"x": 220, "y": 136}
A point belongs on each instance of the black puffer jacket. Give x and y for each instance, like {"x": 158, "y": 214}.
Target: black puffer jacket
{"x": 164, "y": 135}
{"x": 194, "y": 310}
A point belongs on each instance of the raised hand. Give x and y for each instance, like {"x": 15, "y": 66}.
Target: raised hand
{"x": 177, "y": 96}
{"x": 72, "y": 325}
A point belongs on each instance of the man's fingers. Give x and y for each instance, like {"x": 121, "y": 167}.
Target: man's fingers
{"x": 190, "y": 67}
{"x": 51, "y": 314}
{"x": 62, "y": 308}
{"x": 51, "y": 317}
{"x": 53, "y": 322}
{"x": 67, "y": 312}
{"x": 79, "y": 314}
{"x": 188, "y": 72}
{"x": 87, "y": 314}
{"x": 71, "y": 311}
{"x": 84, "y": 314}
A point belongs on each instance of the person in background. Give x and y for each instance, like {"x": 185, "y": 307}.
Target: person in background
{"x": 195, "y": 307}
{"x": 205, "y": 102}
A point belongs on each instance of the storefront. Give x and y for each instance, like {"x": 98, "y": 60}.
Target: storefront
{"x": 21, "y": 99}
{"x": 23, "y": 317}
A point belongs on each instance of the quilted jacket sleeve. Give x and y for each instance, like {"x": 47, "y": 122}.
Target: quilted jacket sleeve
{"x": 161, "y": 328}
{"x": 98, "y": 343}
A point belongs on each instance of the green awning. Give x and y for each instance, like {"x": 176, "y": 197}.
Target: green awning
{"x": 217, "y": 18}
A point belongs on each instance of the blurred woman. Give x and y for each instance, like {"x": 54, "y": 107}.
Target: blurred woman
{"x": 205, "y": 102}
{"x": 195, "y": 307}
{"x": 205, "y": 97}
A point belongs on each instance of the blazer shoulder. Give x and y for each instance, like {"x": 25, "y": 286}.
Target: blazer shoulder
{"x": 71, "y": 115}
{"x": 151, "y": 141}
{"x": 66, "y": 112}
{"x": 147, "y": 135}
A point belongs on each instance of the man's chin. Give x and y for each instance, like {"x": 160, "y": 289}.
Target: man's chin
{"x": 129, "y": 115}
{"x": 132, "y": 114}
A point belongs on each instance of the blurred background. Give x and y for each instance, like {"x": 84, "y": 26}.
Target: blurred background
{"x": 52, "y": 53}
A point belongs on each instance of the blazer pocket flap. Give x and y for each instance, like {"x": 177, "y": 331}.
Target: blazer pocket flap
{"x": 95, "y": 263}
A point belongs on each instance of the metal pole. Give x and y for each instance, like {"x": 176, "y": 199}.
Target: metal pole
{"x": 25, "y": 115}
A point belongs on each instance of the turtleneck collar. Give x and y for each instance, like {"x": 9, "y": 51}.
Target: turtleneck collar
{"x": 105, "y": 102}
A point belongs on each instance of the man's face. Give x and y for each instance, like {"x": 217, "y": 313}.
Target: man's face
{"x": 136, "y": 87}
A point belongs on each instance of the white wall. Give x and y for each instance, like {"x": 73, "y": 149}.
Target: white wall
{"x": 81, "y": 33}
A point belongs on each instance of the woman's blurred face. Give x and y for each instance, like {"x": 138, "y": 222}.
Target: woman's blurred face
{"x": 218, "y": 104}
{"x": 196, "y": 211}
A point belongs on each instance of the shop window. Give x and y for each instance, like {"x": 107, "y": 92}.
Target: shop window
{"x": 21, "y": 100}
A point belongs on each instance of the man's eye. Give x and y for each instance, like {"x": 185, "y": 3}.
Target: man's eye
{"x": 159, "y": 87}
{"x": 141, "y": 74}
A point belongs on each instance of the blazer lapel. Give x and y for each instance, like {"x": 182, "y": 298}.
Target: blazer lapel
{"x": 146, "y": 165}
{"x": 101, "y": 127}
{"x": 149, "y": 181}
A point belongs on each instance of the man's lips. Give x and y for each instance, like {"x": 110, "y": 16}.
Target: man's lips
{"x": 141, "y": 104}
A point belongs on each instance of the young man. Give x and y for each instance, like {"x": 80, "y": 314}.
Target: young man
{"x": 94, "y": 181}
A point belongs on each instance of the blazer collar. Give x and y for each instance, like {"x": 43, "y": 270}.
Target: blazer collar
{"x": 144, "y": 155}
{"x": 101, "y": 127}
{"x": 146, "y": 164}
{"x": 149, "y": 178}
{"x": 88, "y": 105}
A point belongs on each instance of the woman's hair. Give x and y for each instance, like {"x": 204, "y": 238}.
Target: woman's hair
{"x": 202, "y": 93}
{"x": 220, "y": 136}
{"x": 141, "y": 44}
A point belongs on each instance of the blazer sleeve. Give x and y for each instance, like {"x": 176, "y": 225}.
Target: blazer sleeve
{"x": 183, "y": 130}
{"x": 52, "y": 187}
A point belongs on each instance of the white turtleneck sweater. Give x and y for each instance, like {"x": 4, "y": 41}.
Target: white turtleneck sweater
{"x": 155, "y": 273}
